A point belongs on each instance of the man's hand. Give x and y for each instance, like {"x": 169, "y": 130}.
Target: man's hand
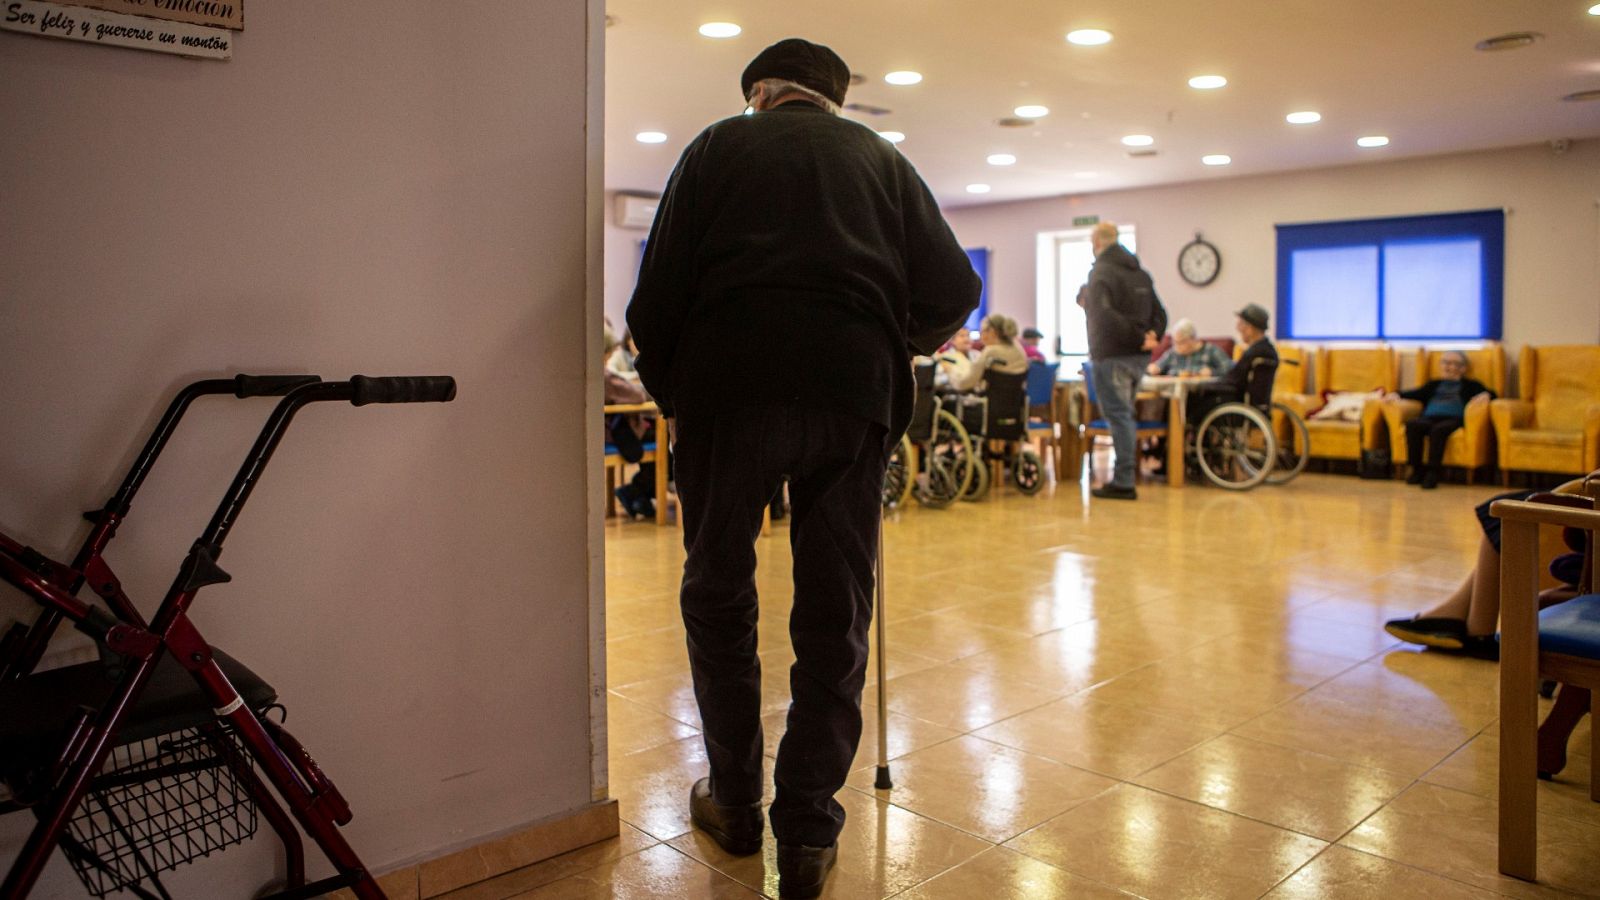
{"x": 1481, "y": 398}
{"x": 1391, "y": 398}
{"x": 1150, "y": 341}
{"x": 1205, "y": 371}
{"x": 1153, "y": 369}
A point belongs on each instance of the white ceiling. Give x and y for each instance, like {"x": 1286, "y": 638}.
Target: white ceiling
{"x": 1402, "y": 68}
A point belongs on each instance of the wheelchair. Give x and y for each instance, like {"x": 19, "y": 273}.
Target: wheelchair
{"x": 997, "y": 419}
{"x": 1241, "y": 443}
{"x": 935, "y": 461}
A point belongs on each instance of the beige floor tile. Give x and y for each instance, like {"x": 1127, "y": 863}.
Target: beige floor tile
{"x": 643, "y": 656}
{"x": 1453, "y": 833}
{"x": 649, "y": 874}
{"x": 1003, "y": 791}
{"x": 1294, "y": 789}
{"x": 1240, "y": 655}
{"x": 961, "y": 698}
{"x": 1065, "y": 661}
{"x": 631, "y": 840}
{"x": 906, "y": 734}
{"x": 1340, "y": 873}
{"x": 1158, "y": 846}
{"x": 652, "y": 786}
{"x": 945, "y": 638}
{"x": 1475, "y": 769}
{"x": 1031, "y": 615}
{"x": 627, "y": 617}
{"x": 1438, "y": 687}
{"x": 1303, "y": 631}
{"x": 1364, "y": 735}
{"x": 631, "y": 727}
{"x": 1212, "y": 697}
{"x": 1002, "y": 874}
{"x": 1106, "y": 739}
{"x": 883, "y": 850}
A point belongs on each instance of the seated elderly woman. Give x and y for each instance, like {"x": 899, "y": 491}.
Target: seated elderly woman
{"x": 1444, "y": 409}
{"x": 1000, "y": 352}
{"x": 955, "y": 360}
{"x": 1189, "y": 355}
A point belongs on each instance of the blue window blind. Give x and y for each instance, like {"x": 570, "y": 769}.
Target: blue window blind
{"x": 980, "y": 264}
{"x": 1409, "y": 278}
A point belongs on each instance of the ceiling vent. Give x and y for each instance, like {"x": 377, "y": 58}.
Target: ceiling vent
{"x": 867, "y": 109}
{"x": 1145, "y": 151}
{"x": 1581, "y": 96}
{"x": 1510, "y": 41}
{"x": 1014, "y": 122}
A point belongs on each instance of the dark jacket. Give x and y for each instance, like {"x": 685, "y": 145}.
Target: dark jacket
{"x": 788, "y": 234}
{"x": 1469, "y": 388}
{"x": 1236, "y": 381}
{"x": 1121, "y": 305}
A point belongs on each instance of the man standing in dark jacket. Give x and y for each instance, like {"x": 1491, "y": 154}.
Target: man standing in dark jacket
{"x": 779, "y": 232}
{"x": 1125, "y": 318}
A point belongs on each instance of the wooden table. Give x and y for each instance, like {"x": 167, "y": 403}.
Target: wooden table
{"x": 1176, "y": 389}
{"x": 658, "y": 456}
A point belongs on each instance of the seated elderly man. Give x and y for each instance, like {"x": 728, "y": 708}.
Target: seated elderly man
{"x": 1189, "y": 355}
{"x": 1444, "y": 410}
{"x": 1235, "y": 383}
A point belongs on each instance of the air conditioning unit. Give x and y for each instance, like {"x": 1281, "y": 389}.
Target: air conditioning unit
{"x": 636, "y": 211}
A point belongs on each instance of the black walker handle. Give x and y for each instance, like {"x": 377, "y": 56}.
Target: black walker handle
{"x": 402, "y": 389}
{"x": 269, "y": 385}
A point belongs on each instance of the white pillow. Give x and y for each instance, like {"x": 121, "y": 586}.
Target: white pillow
{"x": 1345, "y": 406}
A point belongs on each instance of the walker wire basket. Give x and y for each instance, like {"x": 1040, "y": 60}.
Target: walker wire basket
{"x": 157, "y": 804}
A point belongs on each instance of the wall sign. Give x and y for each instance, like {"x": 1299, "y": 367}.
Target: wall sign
{"x": 77, "y": 23}
{"x": 1081, "y": 221}
{"x": 216, "y": 13}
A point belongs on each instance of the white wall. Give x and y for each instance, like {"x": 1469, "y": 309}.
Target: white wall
{"x": 1552, "y": 287}
{"x": 622, "y": 263}
{"x": 366, "y": 187}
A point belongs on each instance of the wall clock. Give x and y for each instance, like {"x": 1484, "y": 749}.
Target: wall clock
{"x": 1199, "y": 262}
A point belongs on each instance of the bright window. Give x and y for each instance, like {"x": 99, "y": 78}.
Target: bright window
{"x": 1411, "y": 278}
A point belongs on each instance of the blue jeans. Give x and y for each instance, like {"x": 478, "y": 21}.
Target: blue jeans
{"x": 1116, "y": 380}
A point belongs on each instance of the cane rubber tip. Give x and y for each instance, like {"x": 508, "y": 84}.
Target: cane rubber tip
{"x": 884, "y": 782}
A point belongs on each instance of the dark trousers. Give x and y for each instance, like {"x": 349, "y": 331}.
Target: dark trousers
{"x": 1433, "y": 429}
{"x": 729, "y": 465}
{"x": 630, "y": 446}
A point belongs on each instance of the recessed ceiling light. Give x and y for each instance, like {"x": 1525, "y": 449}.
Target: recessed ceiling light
{"x": 1305, "y": 117}
{"x": 1580, "y": 96}
{"x": 903, "y": 77}
{"x": 977, "y": 189}
{"x": 893, "y": 137}
{"x": 720, "y": 30}
{"x": 1002, "y": 159}
{"x": 1089, "y": 37}
{"x": 1085, "y": 174}
{"x": 1216, "y": 159}
{"x": 1594, "y": 10}
{"x": 1032, "y": 112}
{"x": 1138, "y": 140}
{"x": 1510, "y": 41}
{"x": 650, "y": 137}
{"x": 1372, "y": 140}
{"x": 1207, "y": 82}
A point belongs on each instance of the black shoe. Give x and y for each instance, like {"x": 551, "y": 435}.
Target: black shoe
{"x": 736, "y": 829}
{"x": 1416, "y": 475}
{"x": 626, "y": 497}
{"x": 1436, "y": 631}
{"x": 1481, "y": 646}
{"x": 644, "y": 508}
{"x": 1431, "y": 479}
{"x": 802, "y": 870}
{"x": 1112, "y": 492}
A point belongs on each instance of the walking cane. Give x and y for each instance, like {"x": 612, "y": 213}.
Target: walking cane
{"x": 884, "y": 782}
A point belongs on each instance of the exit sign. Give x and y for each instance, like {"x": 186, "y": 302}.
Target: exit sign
{"x": 1084, "y": 221}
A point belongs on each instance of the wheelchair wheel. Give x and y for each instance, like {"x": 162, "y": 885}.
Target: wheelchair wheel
{"x": 951, "y": 441}
{"x": 937, "y": 486}
{"x": 1235, "y": 447}
{"x": 900, "y": 475}
{"x": 1294, "y": 444}
{"x": 979, "y": 488}
{"x": 1027, "y": 471}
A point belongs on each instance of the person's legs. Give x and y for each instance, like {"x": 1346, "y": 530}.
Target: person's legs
{"x": 1416, "y": 431}
{"x": 1116, "y": 381}
{"x": 834, "y": 495}
{"x": 1483, "y": 614}
{"x": 1439, "y": 430}
{"x": 726, "y": 470}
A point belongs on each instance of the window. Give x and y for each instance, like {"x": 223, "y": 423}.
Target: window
{"x": 1411, "y": 278}
{"x": 979, "y": 257}
{"x": 1064, "y": 261}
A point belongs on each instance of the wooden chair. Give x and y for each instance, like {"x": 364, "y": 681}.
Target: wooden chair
{"x": 653, "y": 452}
{"x": 1561, "y": 643}
{"x": 1472, "y": 445}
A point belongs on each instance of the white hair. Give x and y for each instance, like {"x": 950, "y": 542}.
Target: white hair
{"x": 777, "y": 89}
{"x": 1184, "y": 329}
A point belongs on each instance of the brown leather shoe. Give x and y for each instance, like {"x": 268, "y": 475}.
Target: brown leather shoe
{"x": 802, "y": 870}
{"x": 736, "y": 829}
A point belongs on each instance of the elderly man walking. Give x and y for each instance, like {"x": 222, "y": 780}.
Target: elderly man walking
{"x": 1125, "y": 318}
{"x": 779, "y": 232}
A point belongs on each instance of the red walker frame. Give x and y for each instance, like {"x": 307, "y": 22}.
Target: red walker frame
{"x": 311, "y": 797}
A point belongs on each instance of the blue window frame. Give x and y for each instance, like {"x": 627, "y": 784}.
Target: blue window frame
{"x": 1434, "y": 277}
{"x": 980, "y": 264}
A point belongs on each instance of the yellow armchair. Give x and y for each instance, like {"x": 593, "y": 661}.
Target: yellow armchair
{"x": 1341, "y": 369}
{"x": 1555, "y": 425}
{"x": 1471, "y": 447}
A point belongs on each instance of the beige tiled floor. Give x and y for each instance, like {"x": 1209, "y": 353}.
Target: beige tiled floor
{"x": 1187, "y": 696}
